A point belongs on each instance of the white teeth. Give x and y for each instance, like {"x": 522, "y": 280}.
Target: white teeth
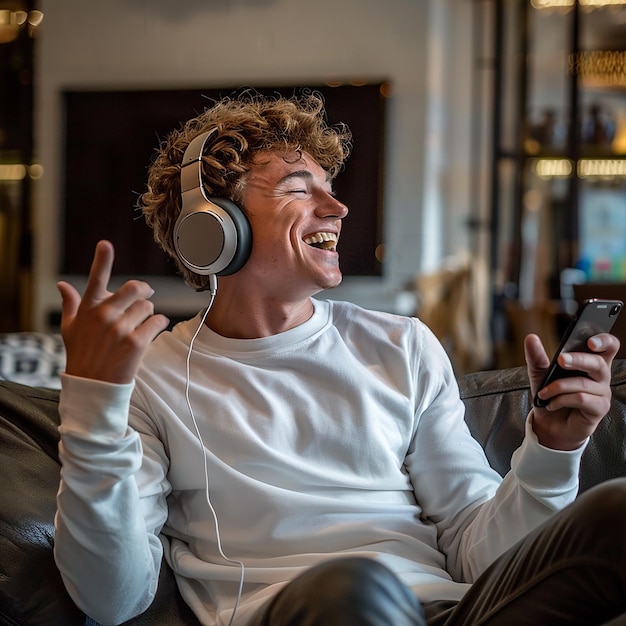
{"x": 320, "y": 237}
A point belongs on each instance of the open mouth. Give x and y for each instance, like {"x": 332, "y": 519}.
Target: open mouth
{"x": 322, "y": 241}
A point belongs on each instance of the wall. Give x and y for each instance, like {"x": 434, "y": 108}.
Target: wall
{"x": 421, "y": 46}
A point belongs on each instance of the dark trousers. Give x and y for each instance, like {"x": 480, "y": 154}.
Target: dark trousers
{"x": 570, "y": 570}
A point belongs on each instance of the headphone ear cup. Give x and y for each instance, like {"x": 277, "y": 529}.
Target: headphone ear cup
{"x": 241, "y": 226}
{"x": 212, "y": 236}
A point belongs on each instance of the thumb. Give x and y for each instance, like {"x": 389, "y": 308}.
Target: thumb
{"x": 537, "y": 360}
{"x": 70, "y": 302}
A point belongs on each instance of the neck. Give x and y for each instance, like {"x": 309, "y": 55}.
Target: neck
{"x": 249, "y": 316}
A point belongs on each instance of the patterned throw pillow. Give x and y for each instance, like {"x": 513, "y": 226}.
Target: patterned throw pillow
{"x": 35, "y": 359}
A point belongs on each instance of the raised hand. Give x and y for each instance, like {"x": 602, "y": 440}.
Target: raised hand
{"x": 576, "y": 404}
{"x": 107, "y": 333}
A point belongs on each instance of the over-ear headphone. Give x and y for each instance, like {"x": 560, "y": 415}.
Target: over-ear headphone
{"x": 211, "y": 235}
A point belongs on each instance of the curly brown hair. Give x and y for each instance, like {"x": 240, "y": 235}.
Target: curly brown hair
{"x": 245, "y": 126}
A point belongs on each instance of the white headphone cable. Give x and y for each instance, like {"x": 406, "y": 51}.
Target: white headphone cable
{"x": 213, "y": 291}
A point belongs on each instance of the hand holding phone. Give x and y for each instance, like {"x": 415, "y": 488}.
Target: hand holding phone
{"x": 593, "y": 317}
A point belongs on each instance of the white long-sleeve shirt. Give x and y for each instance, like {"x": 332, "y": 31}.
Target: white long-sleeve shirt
{"x": 342, "y": 436}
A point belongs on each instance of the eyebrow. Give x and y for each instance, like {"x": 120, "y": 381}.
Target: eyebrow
{"x": 302, "y": 174}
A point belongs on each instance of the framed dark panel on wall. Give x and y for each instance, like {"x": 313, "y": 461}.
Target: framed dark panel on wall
{"x": 110, "y": 138}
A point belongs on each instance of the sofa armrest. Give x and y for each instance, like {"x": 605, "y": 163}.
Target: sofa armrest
{"x": 497, "y": 403}
{"x": 31, "y": 588}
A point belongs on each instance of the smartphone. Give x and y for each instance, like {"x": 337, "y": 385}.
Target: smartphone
{"x": 593, "y": 317}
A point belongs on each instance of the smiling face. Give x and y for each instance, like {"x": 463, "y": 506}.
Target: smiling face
{"x": 296, "y": 222}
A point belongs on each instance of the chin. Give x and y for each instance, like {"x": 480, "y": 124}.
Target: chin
{"x": 331, "y": 283}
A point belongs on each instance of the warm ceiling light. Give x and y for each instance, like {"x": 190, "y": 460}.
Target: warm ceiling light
{"x": 604, "y": 67}
{"x": 12, "y": 172}
{"x": 550, "y": 4}
{"x": 553, "y": 168}
{"x": 586, "y": 168}
{"x": 11, "y": 22}
{"x": 9, "y": 28}
{"x": 601, "y": 168}
{"x": 600, "y": 3}
{"x": 35, "y": 18}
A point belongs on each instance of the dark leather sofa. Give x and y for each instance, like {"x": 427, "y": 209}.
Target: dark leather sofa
{"x": 31, "y": 590}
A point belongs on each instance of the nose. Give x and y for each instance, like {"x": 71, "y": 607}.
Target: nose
{"x": 329, "y": 206}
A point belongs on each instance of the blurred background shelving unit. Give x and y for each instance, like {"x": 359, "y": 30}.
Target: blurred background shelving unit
{"x": 18, "y": 24}
{"x": 559, "y": 157}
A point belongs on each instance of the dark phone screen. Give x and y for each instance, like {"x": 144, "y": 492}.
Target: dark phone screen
{"x": 593, "y": 317}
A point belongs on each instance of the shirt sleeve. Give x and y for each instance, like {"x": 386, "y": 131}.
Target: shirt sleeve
{"x": 478, "y": 515}
{"x": 107, "y": 546}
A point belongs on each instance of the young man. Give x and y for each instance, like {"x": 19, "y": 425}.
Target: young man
{"x": 300, "y": 461}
